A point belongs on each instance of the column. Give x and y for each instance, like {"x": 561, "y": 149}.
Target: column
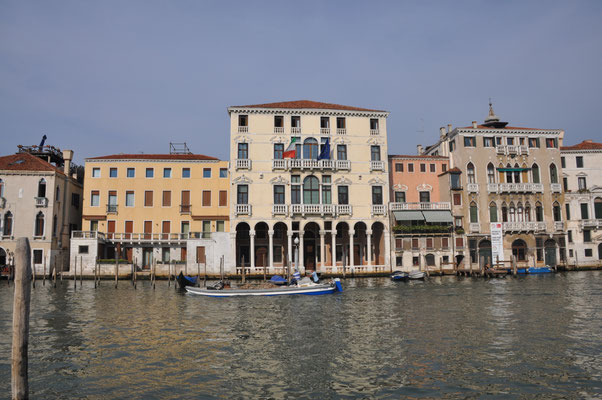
{"x": 232, "y": 252}
{"x": 290, "y": 248}
{"x": 322, "y": 252}
{"x": 351, "y": 260}
{"x": 369, "y": 246}
{"x": 300, "y": 266}
{"x": 387, "y": 239}
{"x": 271, "y": 250}
{"x": 333, "y": 248}
{"x": 252, "y": 248}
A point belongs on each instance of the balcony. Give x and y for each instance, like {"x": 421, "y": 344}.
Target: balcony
{"x": 341, "y": 131}
{"x": 41, "y": 202}
{"x": 556, "y": 188}
{"x": 2, "y": 202}
{"x": 312, "y": 209}
{"x": 243, "y": 129}
{"x": 512, "y": 150}
{"x": 278, "y": 129}
{"x": 474, "y": 227}
{"x": 242, "y": 209}
{"x": 558, "y": 226}
{"x": 343, "y": 165}
{"x": 111, "y": 208}
{"x": 295, "y": 130}
{"x": 324, "y": 131}
{"x": 525, "y": 226}
{"x": 492, "y": 188}
{"x": 87, "y": 235}
{"x": 419, "y": 206}
{"x": 344, "y": 209}
{"x": 374, "y": 132}
{"x": 147, "y": 237}
{"x": 299, "y": 163}
{"x": 279, "y": 209}
{"x": 243, "y": 163}
{"x": 520, "y": 187}
{"x": 378, "y": 209}
{"x": 472, "y": 187}
{"x": 377, "y": 165}
{"x": 185, "y": 208}
{"x": 523, "y": 150}
{"x": 279, "y": 164}
{"x": 590, "y": 224}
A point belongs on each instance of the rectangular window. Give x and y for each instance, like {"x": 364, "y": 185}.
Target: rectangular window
{"x": 343, "y": 194}
{"x": 422, "y": 167}
{"x": 94, "y": 225}
{"x": 587, "y": 235}
{"x": 95, "y": 198}
{"x": 278, "y": 151}
{"x": 295, "y": 189}
{"x": 165, "y": 254}
{"x": 131, "y": 172}
{"x": 129, "y": 198}
{"x": 150, "y": 172}
{"x": 534, "y": 142}
{"x": 243, "y": 120}
{"x": 487, "y": 142}
{"x": 95, "y": 172}
{"x": 223, "y": 198}
{"x": 341, "y": 123}
{"x": 278, "y": 194}
{"x": 148, "y": 198}
{"x": 579, "y": 160}
{"x": 459, "y": 242}
{"x": 242, "y": 194}
{"x": 455, "y": 181}
{"x": 166, "y": 198}
{"x": 551, "y": 143}
{"x": 206, "y": 172}
{"x": 452, "y": 145}
{"x": 185, "y": 201}
{"x": 415, "y": 244}
{"x": 112, "y": 172}
{"x": 326, "y": 190}
{"x": 206, "y": 201}
{"x": 570, "y": 235}
{"x": 38, "y": 256}
{"x": 83, "y": 250}
{"x": 458, "y": 222}
{"x": 223, "y": 172}
{"x": 278, "y": 121}
{"x": 166, "y": 172}
{"x": 243, "y": 151}
{"x": 445, "y": 242}
{"x": 510, "y": 141}
{"x": 457, "y": 199}
{"x": 324, "y": 122}
{"x": 373, "y": 124}
{"x": 410, "y": 167}
{"x": 582, "y": 184}
{"x": 74, "y": 200}
{"x": 589, "y": 253}
{"x": 433, "y": 168}
{"x": 375, "y": 153}
{"x": 400, "y": 197}
{"x": 568, "y": 211}
{"x": 429, "y": 243}
{"x": 443, "y": 167}
{"x": 377, "y": 195}
{"x": 565, "y": 183}
{"x": 399, "y": 167}
{"x": 470, "y": 141}
{"x": 341, "y": 152}
{"x": 562, "y": 162}
{"x": 295, "y": 121}
{"x": 220, "y": 226}
{"x": 185, "y": 227}
{"x": 584, "y": 211}
{"x": 185, "y": 172}
{"x": 206, "y": 227}
{"x": 425, "y": 197}
{"x": 399, "y": 243}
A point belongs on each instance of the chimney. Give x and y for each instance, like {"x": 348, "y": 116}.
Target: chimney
{"x": 442, "y": 132}
{"x": 67, "y": 157}
{"x": 449, "y": 128}
{"x": 420, "y": 150}
{"x": 474, "y": 124}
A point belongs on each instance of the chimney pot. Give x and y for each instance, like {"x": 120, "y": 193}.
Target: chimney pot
{"x": 442, "y": 131}
{"x": 67, "y": 157}
{"x": 420, "y": 150}
{"x": 449, "y": 128}
{"x": 474, "y": 124}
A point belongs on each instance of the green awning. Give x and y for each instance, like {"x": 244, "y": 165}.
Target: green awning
{"x": 409, "y": 215}
{"x": 438, "y": 216}
{"x": 513, "y": 169}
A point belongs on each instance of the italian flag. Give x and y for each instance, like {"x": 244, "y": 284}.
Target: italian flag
{"x": 290, "y": 151}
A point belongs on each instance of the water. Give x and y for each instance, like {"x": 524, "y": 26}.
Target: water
{"x": 525, "y": 337}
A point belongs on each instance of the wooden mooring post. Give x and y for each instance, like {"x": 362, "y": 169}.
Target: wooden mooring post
{"x": 198, "y": 267}
{"x": 33, "y": 275}
{"x": 116, "y": 273}
{"x": 242, "y": 271}
{"x": 44, "y": 270}
{"x": 75, "y": 272}
{"x": 81, "y": 271}
{"x": 21, "y": 302}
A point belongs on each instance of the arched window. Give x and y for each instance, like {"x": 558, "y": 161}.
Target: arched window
{"x": 598, "y": 208}
{"x": 512, "y": 212}
{"x": 42, "y": 188}
{"x": 490, "y": 173}
{"x": 527, "y": 212}
{"x": 553, "y": 174}
{"x": 430, "y": 259}
{"x": 519, "y": 250}
{"x": 492, "y": 212}
{"x": 311, "y": 190}
{"x": 54, "y": 223}
{"x": 1, "y": 188}
{"x": 8, "y": 224}
{"x": 504, "y": 212}
{"x": 556, "y": 211}
{"x": 39, "y": 227}
{"x": 538, "y": 212}
{"x": 310, "y": 149}
{"x": 535, "y": 173}
{"x": 508, "y": 173}
{"x": 519, "y": 212}
{"x": 470, "y": 173}
{"x": 474, "y": 212}
{"x": 516, "y": 173}
{"x": 58, "y": 194}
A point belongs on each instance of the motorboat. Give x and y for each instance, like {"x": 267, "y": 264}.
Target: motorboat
{"x": 306, "y": 287}
{"x": 415, "y": 275}
{"x": 541, "y": 270}
{"x": 399, "y": 276}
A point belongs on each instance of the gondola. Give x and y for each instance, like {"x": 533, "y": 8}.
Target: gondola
{"x": 184, "y": 280}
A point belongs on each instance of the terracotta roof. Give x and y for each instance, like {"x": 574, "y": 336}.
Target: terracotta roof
{"x": 26, "y": 162}
{"x": 585, "y": 145}
{"x": 199, "y": 157}
{"x": 454, "y": 170}
{"x": 516, "y": 128}
{"x": 304, "y": 104}
{"x": 417, "y": 156}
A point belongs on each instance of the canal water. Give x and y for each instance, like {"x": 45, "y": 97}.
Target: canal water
{"x": 447, "y": 337}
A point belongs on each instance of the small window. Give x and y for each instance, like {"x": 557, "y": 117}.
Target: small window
{"x": 410, "y": 167}
{"x": 206, "y": 172}
{"x": 374, "y": 124}
{"x": 83, "y": 250}
{"x": 112, "y": 172}
{"x": 562, "y": 162}
{"x": 579, "y": 160}
{"x": 422, "y": 167}
{"x": 278, "y": 121}
{"x": 433, "y": 168}
{"x": 243, "y": 120}
{"x": 223, "y": 172}
{"x": 324, "y": 122}
{"x": 582, "y": 183}
{"x": 400, "y": 197}
{"x": 220, "y": 226}
{"x": 223, "y": 198}
{"x": 95, "y": 172}
{"x": 129, "y": 199}
{"x": 570, "y": 235}
{"x": 148, "y": 198}
{"x": 185, "y": 172}
{"x": 551, "y": 143}
{"x": 470, "y": 141}
{"x": 510, "y": 141}
{"x": 150, "y": 173}
{"x": 206, "y": 200}
{"x": 75, "y": 200}
{"x": 166, "y": 172}
{"x": 95, "y": 198}
{"x": 243, "y": 151}
{"x": 587, "y": 235}
{"x": 589, "y": 253}
{"x": 399, "y": 167}
{"x": 425, "y": 197}
{"x": 166, "y": 198}
{"x": 444, "y": 167}
{"x": 534, "y": 142}
{"x": 487, "y": 142}
{"x": 131, "y": 173}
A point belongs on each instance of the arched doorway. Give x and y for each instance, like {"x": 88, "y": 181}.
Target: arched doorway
{"x": 261, "y": 244}
{"x": 360, "y": 242}
{"x": 519, "y": 250}
{"x": 242, "y": 244}
{"x": 3, "y": 258}
{"x": 311, "y": 244}
{"x": 342, "y": 243}
{"x": 550, "y": 252}
{"x": 485, "y": 255}
{"x": 600, "y": 251}
{"x": 430, "y": 260}
{"x": 378, "y": 243}
{"x": 280, "y": 244}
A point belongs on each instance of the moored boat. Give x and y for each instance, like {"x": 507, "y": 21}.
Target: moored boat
{"x": 399, "y": 276}
{"x": 415, "y": 275}
{"x": 306, "y": 289}
{"x": 184, "y": 280}
{"x": 541, "y": 270}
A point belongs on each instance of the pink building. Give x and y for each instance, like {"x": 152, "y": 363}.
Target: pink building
{"x": 414, "y": 179}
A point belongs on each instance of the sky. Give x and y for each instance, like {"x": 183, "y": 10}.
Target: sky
{"x": 110, "y": 77}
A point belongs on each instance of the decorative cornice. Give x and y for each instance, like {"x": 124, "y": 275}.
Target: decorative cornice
{"x": 242, "y": 139}
{"x": 424, "y": 186}
{"x": 242, "y": 179}
{"x": 343, "y": 181}
{"x": 399, "y": 187}
{"x": 320, "y": 112}
{"x": 279, "y": 180}
{"x": 376, "y": 181}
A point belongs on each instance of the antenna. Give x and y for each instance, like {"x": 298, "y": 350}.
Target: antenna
{"x": 179, "y": 148}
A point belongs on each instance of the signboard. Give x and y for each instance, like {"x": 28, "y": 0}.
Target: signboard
{"x": 497, "y": 242}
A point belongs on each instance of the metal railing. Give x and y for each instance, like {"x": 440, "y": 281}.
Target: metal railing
{"x": 420, "y": 206}
{"x": 243, "y": 163}
{"x": 41, "y": 201}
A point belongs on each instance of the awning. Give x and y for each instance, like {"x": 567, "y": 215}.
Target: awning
{"x": 409, "y": 215}
{"x": 513, "y": 169}
{"x": 438, "y": 216}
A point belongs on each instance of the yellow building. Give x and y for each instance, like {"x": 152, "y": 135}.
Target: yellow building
{"x": 154, "y": 208}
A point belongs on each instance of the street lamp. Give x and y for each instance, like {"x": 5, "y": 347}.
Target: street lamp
{"x": 297, "y": 253}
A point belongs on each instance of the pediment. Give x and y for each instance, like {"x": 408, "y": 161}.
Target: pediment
{"x": 343, "y": 181}
{"x": 279, "y": 180}
{"x": 424, "y": 186}
{"x": 376, "y": 181}
{"x": 242, "y": 179}
{"x": 400, "y": 188}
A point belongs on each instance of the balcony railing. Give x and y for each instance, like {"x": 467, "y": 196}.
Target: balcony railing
{"x": 279, "y": 209}
{"x": 299, "y": 163}
{"x": 324, "y": 131}
{"x": 472, "y": 187}
{"x": 312, "y": 209}
{"x": 374, "y": 132}
{"x": 243, "y": 163}
{"x": 518, "y": 187}
{"x": 525, "y": 226}
{"x": 295, "y": 130}
{"x": 377, "y": 165}
{"x": 41, "y": 202}
{"x": 87, "y": 235}
{"x": 242, "y": 209}
{"x": 344, "y": 209}
{"x": 279, "y": 164}
{"x": 558, "y": 226}
{"x": 341, "y": 131}
{"x": 492, "y": 188}
{"x": 420, "y": 206}
{"x": 556, "y": 188}
{"x": 278, "y": 129}
{"x": 140, "y": 237}
{"x": 590, "y": 224}
{"x": 243, "y": 129}
{"x": 378, "y": 209}
{"x": 474, "y": 227}
{"x": 512, "y": 150}
{"x": 523, "y": 150}
{"x": 343, "y": 165}
{"x": 111, "y": 208}
{"x": 185, "y": 208}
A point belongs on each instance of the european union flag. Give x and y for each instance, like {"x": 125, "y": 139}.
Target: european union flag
{"x": 325, "y": 153}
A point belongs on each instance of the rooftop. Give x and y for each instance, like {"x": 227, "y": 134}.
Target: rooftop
{"x": 199, "y": 157}
{"x": 26, "y": 162}
{"x": 307, "y": 104}
{"x": 585, "y": 145}
{"x": 418, "y": 156}
{"x": 506, "y": 128}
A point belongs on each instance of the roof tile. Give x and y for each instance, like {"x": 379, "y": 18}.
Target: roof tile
{"x": 304, "y": 104}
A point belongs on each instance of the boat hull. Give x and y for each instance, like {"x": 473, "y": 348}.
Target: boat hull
{"x": 281, "y": 291}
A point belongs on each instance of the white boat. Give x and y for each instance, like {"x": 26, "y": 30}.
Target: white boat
{"x": 306, "y": 289}
{"x": 414, "y": 275}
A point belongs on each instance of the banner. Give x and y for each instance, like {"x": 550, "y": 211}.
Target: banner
{"x": 497, "y": 242}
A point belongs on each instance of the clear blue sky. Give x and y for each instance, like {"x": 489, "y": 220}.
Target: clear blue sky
{"x": 130, "y": 76}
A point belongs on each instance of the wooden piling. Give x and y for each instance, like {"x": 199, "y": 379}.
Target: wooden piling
{"x": 81, "y": 271}
{"x": 243, "y": 269}
{"x": 44, "y": 270}
{"x": 21, "y": 303}
{"x": 33, "y": 283}
{"x": 205, "y": 277}
{"x": 264, "y": 268}
{"x": 116, "y": 273}
{"x": 198, "y": 267}
{"x": 75, "y": 272}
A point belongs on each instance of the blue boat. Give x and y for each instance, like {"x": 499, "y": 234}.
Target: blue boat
{"x": 184, "y": 280}
{"x": 400, "y": 276}
{"x": 309, "y": 288}
{"x": 278, "y": 280}
{"x": 541, "y": 270}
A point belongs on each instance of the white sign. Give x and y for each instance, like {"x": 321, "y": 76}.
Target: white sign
{"x": 497, "y": 242}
